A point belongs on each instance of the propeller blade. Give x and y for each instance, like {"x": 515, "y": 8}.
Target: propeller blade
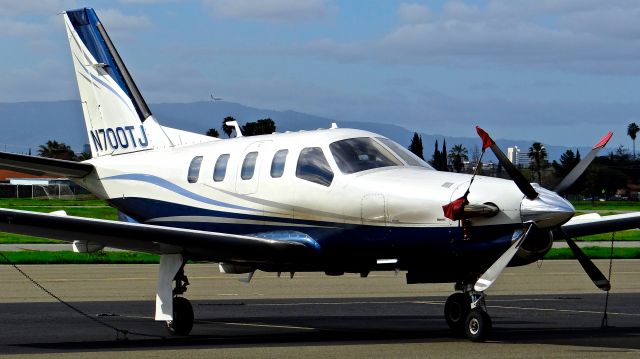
{"x": 577, "y": 171}
{"x": 491, "y": 274}
{"x": 525, "y": 187}
{"x": 592, "y": 271}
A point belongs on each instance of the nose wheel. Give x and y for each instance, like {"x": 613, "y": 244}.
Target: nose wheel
{"x": 466, "y": 314}
{"x": 477, "y": 325}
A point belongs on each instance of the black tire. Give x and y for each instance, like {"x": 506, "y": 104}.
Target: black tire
{"x": 478, "y": 325}
{"x": 182, "y": 322}
{"x": 456, "y": 309}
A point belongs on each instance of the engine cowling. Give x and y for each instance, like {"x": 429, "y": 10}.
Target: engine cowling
{"x": 537, "y": 244}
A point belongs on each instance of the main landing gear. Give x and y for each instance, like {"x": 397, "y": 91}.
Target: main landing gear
{"x": 466, "y": 313}
{"x": 182, "y": 321}
{"x": 171, "y": 307}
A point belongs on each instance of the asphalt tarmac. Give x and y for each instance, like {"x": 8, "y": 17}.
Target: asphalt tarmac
{"x": 552, "y": 310}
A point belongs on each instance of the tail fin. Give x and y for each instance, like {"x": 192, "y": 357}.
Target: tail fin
{"x": 117, "y": 118}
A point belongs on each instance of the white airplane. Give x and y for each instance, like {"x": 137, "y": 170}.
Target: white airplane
{"x": 333, "y": 200}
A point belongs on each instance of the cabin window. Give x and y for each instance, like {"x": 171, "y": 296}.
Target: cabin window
{"x": 313, "y": 166}
{"x": 220, "y": 169}
{"x": 406, "y": 155}
{"x": 360, "y": 154}
{"x": 248, "y": 165}
{"x": 277, "y": 165}
{"x": 194, "y": 169}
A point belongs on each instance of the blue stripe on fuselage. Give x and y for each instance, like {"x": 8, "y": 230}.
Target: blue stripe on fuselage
{"x": 161, "y": 182}
{"x": 346, "y": 239}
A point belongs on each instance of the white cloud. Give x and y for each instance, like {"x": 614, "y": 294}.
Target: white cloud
{"x": 23, "y": 7}
{"x": 13, "y": 28}
{"x": 28, "y": 82}
{"x": 611, "y": 22}
{"x": 413, "y": 13}
{"x": 145, "y": 2}
{"x": 270, "y": 10}
{"x": 580, "y": 36}
{"x": 114, "y": 20}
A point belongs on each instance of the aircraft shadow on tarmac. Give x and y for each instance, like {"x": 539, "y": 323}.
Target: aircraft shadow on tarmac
{"x": 357, "y": 330}
{"x": 575, "y": 321}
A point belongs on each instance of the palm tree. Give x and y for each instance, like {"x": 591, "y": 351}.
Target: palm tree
{"x": 212, "y": 132}
{"x": 458, "y": 155}
{"x": 538, "y": 156}
{"x": 228, "y": 130}
{"x": 55, "y": 149}
{"x": 632, "y": 131}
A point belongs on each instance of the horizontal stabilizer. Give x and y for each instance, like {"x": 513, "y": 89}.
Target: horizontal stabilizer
{"x": 44, "y": 166}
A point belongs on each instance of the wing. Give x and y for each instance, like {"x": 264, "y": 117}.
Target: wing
{"x": 593, "y": 223}
{"x": 272, "y": 247}
{"x": 41, "y": 165}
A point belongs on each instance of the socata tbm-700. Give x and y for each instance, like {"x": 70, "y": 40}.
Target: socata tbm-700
{"x": 332, "y": 200}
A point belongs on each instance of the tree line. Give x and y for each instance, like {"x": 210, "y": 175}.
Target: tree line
{"x": 607, "y": 175}
{"x": 262, "y": 126}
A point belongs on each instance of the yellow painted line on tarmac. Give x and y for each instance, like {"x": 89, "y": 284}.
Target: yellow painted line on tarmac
{"x": 260, "y": 325}
{"x": 563, "y": 273}
{"x": 564, "y": 310}
{"x": 341, "y": 303}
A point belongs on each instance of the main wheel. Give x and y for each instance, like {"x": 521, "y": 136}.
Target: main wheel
{"x": 182, "y": 322}
{"x": 456, "y": 310}
{"x": 478, "y": 325}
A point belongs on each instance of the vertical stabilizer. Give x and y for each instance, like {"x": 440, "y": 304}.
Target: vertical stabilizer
{"x": 116, "y": 115}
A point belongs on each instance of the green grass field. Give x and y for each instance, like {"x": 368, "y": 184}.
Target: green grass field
{"x": 10, "y": 238}
{"x": 595, "y": 253}
{"x": 586, "y": 206}
{"x": 100, "y": 257}
{"x": 90, "y": 208}
{"x": 630, "y": 235}
{"x": 36, "y": 202}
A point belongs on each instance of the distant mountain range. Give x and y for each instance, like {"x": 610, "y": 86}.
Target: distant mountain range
{"x": 26, "y": 125}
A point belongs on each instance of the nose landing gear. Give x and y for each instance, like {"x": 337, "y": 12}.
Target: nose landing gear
{"x": 466, "y": 313}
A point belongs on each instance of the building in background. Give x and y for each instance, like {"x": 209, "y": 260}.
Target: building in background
{"x": 517, "y": 157}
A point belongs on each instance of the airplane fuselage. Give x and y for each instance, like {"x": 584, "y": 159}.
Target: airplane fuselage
{"x": 357, "y": 221}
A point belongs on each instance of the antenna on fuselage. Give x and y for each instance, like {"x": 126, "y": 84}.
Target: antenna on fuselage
{"x": 235, "y": 126}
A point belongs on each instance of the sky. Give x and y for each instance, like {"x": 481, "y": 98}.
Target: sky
{"x": 558, "y": 72}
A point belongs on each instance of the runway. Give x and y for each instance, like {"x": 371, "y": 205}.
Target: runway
{"x": 552, "y": 310}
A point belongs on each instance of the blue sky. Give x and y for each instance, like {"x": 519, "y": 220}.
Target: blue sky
{"x": 559, "y": 72}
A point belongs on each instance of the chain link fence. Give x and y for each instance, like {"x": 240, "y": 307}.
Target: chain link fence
{"x": 51, "y": 191}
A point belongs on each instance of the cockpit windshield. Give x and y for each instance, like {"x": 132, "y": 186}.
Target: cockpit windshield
{"x": 360, "y": 154}
{"x": 406, "y": 155}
